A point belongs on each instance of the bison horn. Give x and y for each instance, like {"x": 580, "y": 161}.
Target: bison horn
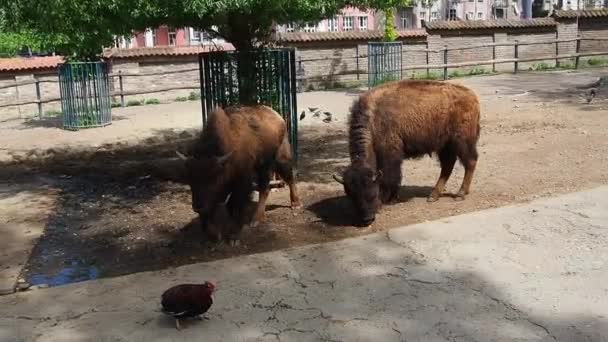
{"x": 224, "y": 158}
{"x": 338, "y": 179}
{"x": 377, "y": 176}
{"x": 181, "y": 156}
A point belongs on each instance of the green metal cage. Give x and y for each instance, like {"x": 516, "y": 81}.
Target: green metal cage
{"x": 85, "y": 95}
{"x": 274, "y": 74}
{"x": 385, "y": 62}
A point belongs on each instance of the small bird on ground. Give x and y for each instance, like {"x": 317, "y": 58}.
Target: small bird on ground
{"x": 590, "y": 95}
{"x": 327, "y": 117}
{"x": 303, "y": 115}
{"x": 313, "y": 109}
{"x": 187, "y": 300}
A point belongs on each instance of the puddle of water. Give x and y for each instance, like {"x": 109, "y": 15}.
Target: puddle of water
{"x": 75, "y": 272}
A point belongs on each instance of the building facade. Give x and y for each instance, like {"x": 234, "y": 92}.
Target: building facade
{"x": 350, "y": 19}
{"x": 167, "y": 36}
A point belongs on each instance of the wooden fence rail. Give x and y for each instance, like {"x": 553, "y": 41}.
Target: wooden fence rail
{"x": 121, "y": 92}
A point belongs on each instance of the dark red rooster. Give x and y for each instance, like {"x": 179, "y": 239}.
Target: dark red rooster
{"x": 187, "y": 300}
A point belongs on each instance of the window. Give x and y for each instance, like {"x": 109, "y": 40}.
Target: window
{"x": 480, "y": 15}
{"x": 453, "y": 14}
{"x": 403, "y": 14}
{"x": 422, "y": 15}
{"x": 470, "y": 15}
{"x": 309, "y": 27}
{"x": 348, "y": 24}
{"x": 154, "y": 38}
{"x": 332, "y": 24}
{"x": 434, "y": 16}
{"x": 290, "y": 27}
{"x": 195, "y": 37}
{"x": 362, "y": 23}
{"x": 172, "y": 37}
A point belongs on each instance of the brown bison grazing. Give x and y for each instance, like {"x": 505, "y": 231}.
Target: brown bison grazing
{"x": 240, "y": 145}
{"x": 408, "y": 119}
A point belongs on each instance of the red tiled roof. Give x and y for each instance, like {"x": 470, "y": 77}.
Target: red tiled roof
{"x": 30, "y": 63}
{"x": 163, "y": 51}
{"x": 299, "y": 37}
{"x": 489, "y": 24}
{"x": 591, "y": 13}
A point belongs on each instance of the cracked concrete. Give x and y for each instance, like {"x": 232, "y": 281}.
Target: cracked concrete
{"x": 534, "y": 272}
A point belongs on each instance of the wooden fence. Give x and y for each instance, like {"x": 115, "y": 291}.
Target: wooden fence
{"x": 120, "y": 92}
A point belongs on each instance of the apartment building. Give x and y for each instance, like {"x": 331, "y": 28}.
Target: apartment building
{"x": 167, "y": 36}
{"x": 349, "y": 19}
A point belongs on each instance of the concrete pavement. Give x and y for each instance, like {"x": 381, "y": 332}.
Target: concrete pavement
{"x": 534, "y": 272}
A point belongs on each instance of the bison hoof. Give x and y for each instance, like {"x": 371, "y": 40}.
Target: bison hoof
{"x": 255, "y": 223}
{"x": 459, "y": 197}
{"x": 296, "y": 205}
{"x": 432, "y": 199}
{"x": 235, "y": 242}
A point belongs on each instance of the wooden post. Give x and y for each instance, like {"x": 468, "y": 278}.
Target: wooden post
{"x": 578, "y": 50}
{"x": 445, "y": 62}
{"x": 494, "y": 53}
{"x": 556, "y": 50}
{"x": 357, "y": 58}
{"x": 39, "y": 98}
{"x": 122, "y": 95}
{"x": 516, "y": 56}
{"x": 428, "y": 71}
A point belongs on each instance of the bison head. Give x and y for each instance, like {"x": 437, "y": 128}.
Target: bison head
{"x": 361, "y": 186}
{"x": 206, "y": 175}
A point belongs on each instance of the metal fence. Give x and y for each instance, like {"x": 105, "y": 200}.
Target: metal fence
{"x": 274, "y": 83}
{"x": 384, "y": 62}
{"x": 85, "y": 96}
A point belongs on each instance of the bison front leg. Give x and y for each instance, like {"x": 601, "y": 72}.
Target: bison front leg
{"x": 237, "y": 207}
{"x": 390, "y": 181}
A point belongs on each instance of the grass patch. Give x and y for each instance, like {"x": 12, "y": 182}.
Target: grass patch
{"x": 432, "y": 75}
{"x": 194, "y": 96}
{"x": 152, "y": 101}
{"x": 597, "y": 61}
{"x": 181, "y": 99}
{"x": 53, "y": 114}
{"x": 132, "y": 103}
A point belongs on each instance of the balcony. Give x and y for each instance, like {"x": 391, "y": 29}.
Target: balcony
{"x": 500, "y": 4}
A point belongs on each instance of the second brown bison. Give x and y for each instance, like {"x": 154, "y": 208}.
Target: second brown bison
{"x": 408, "y": 119}
{"x": 240, "y": 145}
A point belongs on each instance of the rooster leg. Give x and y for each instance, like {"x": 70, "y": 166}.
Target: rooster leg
{"x": 177, "y": 324}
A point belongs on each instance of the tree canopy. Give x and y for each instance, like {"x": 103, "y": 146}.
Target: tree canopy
{"x": 82, "y": 27}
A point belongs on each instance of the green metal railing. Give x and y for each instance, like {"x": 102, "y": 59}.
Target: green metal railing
{"x": 85, "y": 96}
{"x": 385, "y": 62}
{"x": 270, "y": 79}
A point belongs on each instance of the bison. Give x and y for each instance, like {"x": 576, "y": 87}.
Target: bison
{"x": 402, "y": 120}
{"x": 239, "y": 146}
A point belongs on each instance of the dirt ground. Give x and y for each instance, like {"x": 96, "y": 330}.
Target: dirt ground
{"x": 117, "y": 209}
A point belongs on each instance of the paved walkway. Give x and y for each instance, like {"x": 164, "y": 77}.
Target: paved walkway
{"x": 535, "y": 272}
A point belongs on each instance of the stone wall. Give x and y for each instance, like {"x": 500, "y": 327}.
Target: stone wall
{"x": 593, "y": 28}
{"x": 28, "y": 93}
{"x": 147, "y": 65}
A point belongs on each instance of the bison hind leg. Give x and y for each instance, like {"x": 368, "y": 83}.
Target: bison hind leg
{"x": 284, "y": 167}
{"x": 447, "y": 159}
{"x": 467, "y": 153}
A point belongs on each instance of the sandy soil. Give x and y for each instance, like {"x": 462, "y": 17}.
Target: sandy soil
{"x": 116, "y": 209}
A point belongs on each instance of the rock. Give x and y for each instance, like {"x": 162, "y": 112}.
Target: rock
{"x": 23, "y": 286}
{"x": 20, "y": 281}
{"x": 38, "y": 287}
{"x": 4, "y": 292}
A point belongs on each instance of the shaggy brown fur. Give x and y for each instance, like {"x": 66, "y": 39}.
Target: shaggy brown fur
{"x": 408, "y": 119}
{"x": 239, "y": 145}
